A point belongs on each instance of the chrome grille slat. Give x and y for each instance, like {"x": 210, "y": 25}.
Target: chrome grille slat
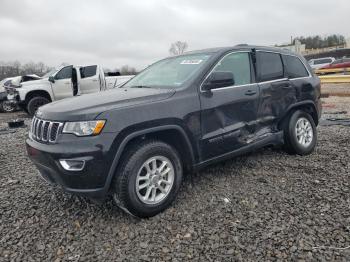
{"x": 37, "y": 129}
{"x": 40, "y": 124}
{"x": 49, "y": 131}
{"x": 44, "y": 130}
{"x": 53, "y": 133}
{"x": 35, "y": 125}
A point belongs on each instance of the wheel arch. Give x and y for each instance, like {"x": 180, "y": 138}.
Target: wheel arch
{"x": 171, "y": 134}
{"x": 35, "y": 93}
{"x": 307, "y": 106}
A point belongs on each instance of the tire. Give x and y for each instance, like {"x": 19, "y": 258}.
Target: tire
{"x": 24, "y": 108}
{"x": 131, "y": 195}
{"x": 6, "y": 107}
{"x": 302, "y": 142}
{"x": 36, "y": 102}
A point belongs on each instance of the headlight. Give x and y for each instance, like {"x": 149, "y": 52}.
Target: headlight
{"x": 86, "y": 128}
{"x": 10, "y": 90}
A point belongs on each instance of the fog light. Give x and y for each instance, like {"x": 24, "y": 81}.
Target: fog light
{"x": 72, "y": 165}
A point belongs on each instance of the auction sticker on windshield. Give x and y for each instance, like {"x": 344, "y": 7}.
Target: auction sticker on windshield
{"x": 191, "y": 62}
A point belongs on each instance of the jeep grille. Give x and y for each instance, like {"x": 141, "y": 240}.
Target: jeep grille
{"x": 45, "y": 131}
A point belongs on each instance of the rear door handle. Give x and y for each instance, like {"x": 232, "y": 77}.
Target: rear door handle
{"x": 250, "y": 92}
{"x": 282, "y": 84}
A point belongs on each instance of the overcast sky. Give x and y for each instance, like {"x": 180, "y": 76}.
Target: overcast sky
{"x": 117, "y": 32}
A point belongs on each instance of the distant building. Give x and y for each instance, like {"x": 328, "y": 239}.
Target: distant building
{"x": 297, "y": 48}
{"x": 333, "y": 51}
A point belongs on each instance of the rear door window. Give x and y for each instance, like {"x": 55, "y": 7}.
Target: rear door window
{"x": 88, "y": 71}
{"x": 270, "y": 66}
{"x": 293, "y": 67}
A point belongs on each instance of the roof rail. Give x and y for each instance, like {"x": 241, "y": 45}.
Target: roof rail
{"x": 242, "y": 45}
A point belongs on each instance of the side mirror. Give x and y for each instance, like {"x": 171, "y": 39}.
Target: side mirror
{"x": 51, "y": 79}
{"x": 218, "y": 80}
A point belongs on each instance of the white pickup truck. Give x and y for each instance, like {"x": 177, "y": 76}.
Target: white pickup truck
{"x": 67, "y": 81}
{"x": 6, "y": 106}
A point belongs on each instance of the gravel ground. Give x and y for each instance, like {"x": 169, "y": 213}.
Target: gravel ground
{"x": 336, "y": 89}
{"x": 266, "y": 205}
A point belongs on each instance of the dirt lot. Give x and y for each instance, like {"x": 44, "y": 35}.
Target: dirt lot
{"x": 336, "y": 89}
{"x": 266, "y": 205}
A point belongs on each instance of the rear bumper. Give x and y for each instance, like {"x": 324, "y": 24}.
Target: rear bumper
{"x": 319, "y": 109}
{"x": 92, "y": 181}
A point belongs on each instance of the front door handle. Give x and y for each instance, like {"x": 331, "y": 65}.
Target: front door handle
{"x": 250, "y": 92}
{"x": 287, "y": 86}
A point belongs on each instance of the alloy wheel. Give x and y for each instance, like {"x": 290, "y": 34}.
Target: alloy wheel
{"x": 304, "y": 132}
{"x": 7, "y": 107}
{"x": 155, "y": 180}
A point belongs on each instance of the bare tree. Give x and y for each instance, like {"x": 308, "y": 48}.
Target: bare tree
{"x": 318, "y": 41}
{"x": 178, "y": 48}
{"x": 127, "y": 70}
{"x": 15, "y": 68}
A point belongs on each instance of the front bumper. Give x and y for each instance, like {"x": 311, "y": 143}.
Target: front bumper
{"x": 95, "y": 151}
{"x": 14, "y": 99}
{"x": 3, "y": 96}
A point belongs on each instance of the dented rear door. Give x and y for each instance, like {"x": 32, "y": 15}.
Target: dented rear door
{"x": 277, "y": 92}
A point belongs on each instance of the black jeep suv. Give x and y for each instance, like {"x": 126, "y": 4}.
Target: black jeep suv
{"x": 178, "y": 115}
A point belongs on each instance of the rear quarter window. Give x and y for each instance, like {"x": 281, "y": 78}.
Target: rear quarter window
{"x": 270, "y": 66}
{"x": 293, "y": 67}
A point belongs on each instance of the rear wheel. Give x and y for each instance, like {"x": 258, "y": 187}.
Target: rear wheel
{"x": 148, "y": 179}
{"x": 300, "y": 134}
{"x": 36, "y": 102}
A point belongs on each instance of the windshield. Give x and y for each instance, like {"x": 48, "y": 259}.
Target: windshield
{"x": 170, "y": 72}
{"x": 50, "y": 73}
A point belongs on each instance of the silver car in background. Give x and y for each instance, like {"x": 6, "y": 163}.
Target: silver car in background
{"x": 321, "y": 62}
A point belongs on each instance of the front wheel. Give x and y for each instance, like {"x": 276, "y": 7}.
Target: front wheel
{"x": 36, "y": 102}
{"x": 148, "y": 179}
{"x": 300, "y": 133}
{"x": 7, "y": 107}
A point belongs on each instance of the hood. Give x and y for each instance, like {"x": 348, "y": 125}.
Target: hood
{"x": 89, "y": 106}
{"x": 35, "y": 82}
